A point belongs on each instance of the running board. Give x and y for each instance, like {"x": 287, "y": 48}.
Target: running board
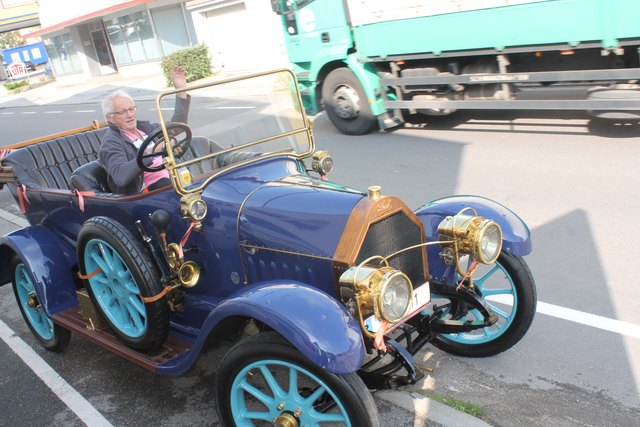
{"x": 173, "y": 348}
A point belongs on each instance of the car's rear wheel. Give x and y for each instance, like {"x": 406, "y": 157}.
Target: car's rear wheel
{"x": 263, "y": 380}
{"x": 53, "y": 337}
{"x": 121, "y": 275}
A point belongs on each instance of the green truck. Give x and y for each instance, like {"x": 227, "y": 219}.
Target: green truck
{"x": 379, "y": 63}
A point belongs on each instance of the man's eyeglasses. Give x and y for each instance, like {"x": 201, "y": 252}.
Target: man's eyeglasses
{"x": 123, "y": 112}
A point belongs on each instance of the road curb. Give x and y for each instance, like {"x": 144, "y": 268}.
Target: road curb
{"x": 429, "y": 409}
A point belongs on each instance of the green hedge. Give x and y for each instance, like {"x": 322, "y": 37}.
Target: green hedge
{"x": 15, "y": 85}
{"x": 195, "y": 60}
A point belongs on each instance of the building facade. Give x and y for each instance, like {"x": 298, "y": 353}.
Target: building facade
{"x": 100, "y": 37}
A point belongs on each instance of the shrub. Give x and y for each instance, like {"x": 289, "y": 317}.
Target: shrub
{"x": 195, "y": 60}
{"x": 15, "y": 85}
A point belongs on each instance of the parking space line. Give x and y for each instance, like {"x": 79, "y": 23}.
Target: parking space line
{"x": 600, "y": 322}
{"x": 588, "y": 319}
{"x": 67, "y": 394}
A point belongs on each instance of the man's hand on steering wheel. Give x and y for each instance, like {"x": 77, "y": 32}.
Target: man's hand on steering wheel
{"x": 154, "y": 145}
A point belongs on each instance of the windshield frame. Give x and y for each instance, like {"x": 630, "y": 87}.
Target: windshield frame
{"x": 170, "y": 161}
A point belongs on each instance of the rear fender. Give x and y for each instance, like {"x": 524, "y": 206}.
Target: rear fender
{"x": 312, "y": 321}
{"x": 50, "y": 262}
{"x": 516, "y": 236}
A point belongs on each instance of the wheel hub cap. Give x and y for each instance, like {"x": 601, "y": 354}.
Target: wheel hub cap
{"x": 32, "y": 301}
{"x": 286, "y": 419}
{"x": 346, "y": 102}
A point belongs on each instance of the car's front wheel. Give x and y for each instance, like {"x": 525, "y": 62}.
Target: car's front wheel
{"x": 263, "y": 380}
{"x": 508, "y": 288}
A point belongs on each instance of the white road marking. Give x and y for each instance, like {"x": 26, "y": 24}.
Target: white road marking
{"x": 600, "y": 322}
{"x": 8, "y": 113}
{"x": 84, "y": 111}
{"x": 53, "y": 112}
{"x": 231, "y": 108}
{"x": 67, "y": 394}
{"x": 28, "y": 112}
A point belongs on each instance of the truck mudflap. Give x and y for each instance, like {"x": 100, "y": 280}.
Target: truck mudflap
{"x": 50, "y": 262}
{"x": 515, "y": 233}
{"x": 316, "y": 324}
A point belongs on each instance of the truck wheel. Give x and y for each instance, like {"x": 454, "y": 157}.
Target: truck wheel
{"x": 618, "y": 92}
{"x": 264, "y": 380}
{"x": 346, "y": 103}
{"x": 483, "y": 91}
{"x": 52, "y": 337}
{"x": 125, "y": 274}
{"x": 508, "y": 288}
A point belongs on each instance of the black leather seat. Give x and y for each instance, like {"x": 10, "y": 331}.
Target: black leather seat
{"x": 49, "y": 164}
{"x": 90, "y": 177}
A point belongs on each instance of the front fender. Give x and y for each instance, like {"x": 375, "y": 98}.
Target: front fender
{"x": 515, "y": 233}
{"x": 312, "y": 321}
{"x": 50, "y": 262}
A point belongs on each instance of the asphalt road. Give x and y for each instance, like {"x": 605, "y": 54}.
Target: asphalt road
{"x": 573, "y": 181}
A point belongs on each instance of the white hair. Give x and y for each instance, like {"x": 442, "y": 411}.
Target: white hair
{"x": 107, "y": 102}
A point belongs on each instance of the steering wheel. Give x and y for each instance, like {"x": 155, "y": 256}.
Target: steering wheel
{"x": 154, "y": 143}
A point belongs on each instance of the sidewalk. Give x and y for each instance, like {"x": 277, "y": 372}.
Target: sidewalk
{"x": 147, "y": 87}
{"x": 94, "y": 90}
{"x": 143, "y": 87}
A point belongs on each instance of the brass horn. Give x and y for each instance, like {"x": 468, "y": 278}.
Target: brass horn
{"x": 189, "y": 274}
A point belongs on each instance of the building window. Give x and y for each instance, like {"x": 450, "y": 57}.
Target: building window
{"x": 132, "y": 38}
{"x": 62, "y": 55}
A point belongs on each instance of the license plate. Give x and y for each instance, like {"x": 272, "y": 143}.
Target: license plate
{"x": 421, "y": 297}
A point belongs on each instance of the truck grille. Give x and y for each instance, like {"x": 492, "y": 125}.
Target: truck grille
{"x": 391, "y": 234}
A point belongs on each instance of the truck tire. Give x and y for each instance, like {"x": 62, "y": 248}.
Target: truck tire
{"x": 346, "y": 103}
{"x": 618, "y": 92}
{"x": 483, "y": 91}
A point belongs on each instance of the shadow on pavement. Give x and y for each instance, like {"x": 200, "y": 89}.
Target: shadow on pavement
{"x": 565, "y": 123}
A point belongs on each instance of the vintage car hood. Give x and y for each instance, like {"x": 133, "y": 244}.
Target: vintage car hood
{"x": 296, "y": 214}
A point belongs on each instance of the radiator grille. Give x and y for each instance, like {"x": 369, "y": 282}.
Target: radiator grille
{"x": 392, "y": 234}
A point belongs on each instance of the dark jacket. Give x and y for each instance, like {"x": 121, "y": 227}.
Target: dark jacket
{"x": 118, "y": 154}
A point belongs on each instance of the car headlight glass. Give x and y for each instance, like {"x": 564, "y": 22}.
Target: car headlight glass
{"x": 395, "y": 296}
{"x": 490, "y": 243}
{"x": 198, "y": 209}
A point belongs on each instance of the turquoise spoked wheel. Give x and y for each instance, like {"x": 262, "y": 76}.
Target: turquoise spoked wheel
{"x": 52, "y": 337}
{"x": 509, "y": 289}
{"x": 264, "y": 381}
{"x": 124, "y": 275}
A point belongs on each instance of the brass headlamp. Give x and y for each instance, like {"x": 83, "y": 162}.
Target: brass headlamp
{"x": 474, "y": 235}
{"x": 322, "y": 162}
{"x": 192, "y": 206}
{"x": 385, "y": 291}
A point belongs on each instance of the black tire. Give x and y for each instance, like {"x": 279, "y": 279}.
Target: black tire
{"x": 346, "y": 103}
{"x": 507, "y": 332}
{"x": 51, "y": 336}
{"x": 618, "y": 92}
{"x": 483, "y": 91}
{"x": 243, "y": 366}
{"x": 116, "y": 296}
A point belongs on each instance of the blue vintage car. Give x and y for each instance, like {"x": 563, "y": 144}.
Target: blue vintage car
{"x": 328, "y": 291}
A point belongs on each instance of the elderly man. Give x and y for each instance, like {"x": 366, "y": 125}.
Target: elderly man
{"x": 125, "y": 135}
